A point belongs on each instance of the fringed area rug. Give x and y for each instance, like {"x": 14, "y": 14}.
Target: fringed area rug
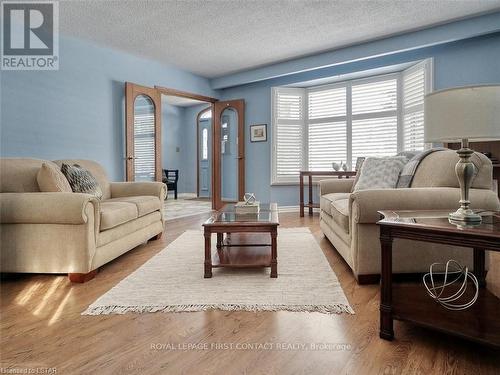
{"x": 172, "y": 281}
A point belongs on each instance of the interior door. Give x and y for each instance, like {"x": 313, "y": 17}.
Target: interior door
{"x": 229, "y": 152}
{"x": 143, "y": 133}
{"x": 204, "y": 155}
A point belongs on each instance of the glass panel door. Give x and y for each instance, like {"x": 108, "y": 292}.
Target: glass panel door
{"x": 144, "y": 139}
{"x": 143, "y": 127}
{"x": 229, "y": 152}
{"x": 229, "y": 155}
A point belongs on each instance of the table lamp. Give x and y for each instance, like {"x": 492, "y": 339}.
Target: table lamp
{"x": 463, "y": 114}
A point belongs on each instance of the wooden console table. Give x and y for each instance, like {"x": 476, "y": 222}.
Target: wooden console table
{"x": 410, "y": 301}
{"x": 310, "y": 174}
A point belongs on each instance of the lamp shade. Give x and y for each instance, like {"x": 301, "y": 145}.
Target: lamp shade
{"x": 463, "y": 112}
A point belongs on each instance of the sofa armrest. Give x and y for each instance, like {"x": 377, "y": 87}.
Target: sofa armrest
{"x": 364, "y": 204}
{"x": 46, "y": 208}
{"x": 130, "y": 189}
{"x": 335, "y": 185}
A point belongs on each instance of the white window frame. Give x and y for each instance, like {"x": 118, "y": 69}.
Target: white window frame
{"x": 427, "y": 64}
{"x": 274, "y": 131}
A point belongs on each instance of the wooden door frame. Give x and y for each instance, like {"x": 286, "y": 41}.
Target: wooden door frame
{"x": 218, "y": 108}
{"x": 185, "y": 94}
{"x": 133, "y": 90}
{"x": 210, "y": 108}
{"x": 203, "y": 98}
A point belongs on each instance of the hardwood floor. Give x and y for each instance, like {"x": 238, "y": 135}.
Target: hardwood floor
{"x": 41, "y": 327}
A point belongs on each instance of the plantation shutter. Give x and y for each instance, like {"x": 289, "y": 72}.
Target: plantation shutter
{"x": 374, "y": 118}
{"x": 327, "y": 128}
{"x": 144, "y": 139}
{"x": 414, "y": 90}
{"x": 288, "y": 129}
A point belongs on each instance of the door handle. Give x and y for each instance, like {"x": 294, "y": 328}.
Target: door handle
{"x": 130, "y": 158}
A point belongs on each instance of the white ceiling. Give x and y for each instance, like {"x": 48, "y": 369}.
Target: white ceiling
{"x": 215, "y": 38}
{"x": 180, "y": 101}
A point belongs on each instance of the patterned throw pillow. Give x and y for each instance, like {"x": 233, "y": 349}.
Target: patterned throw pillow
{"x": 380, "y": 173}
{"x": 50, "y": 179}
{"x": 81, "y": 180}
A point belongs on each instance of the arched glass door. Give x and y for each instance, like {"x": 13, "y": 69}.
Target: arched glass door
{"x": 229, "y": 152}
{"x": 143, "y": 127}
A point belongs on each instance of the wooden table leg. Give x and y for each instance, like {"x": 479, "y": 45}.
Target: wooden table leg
{"x": 274, "y": 253}
{"x": 220, "y": 239}
{"x": 310, "y": 196}
{"x": 301, "y": 195}
{"x": 208, "y": 254}
{"x": 479, "y": 268}
{"x": 386, "y": 321}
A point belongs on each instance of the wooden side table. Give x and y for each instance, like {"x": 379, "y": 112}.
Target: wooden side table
{"x": 410, "y": 301}
{"x": 310, "y": 174}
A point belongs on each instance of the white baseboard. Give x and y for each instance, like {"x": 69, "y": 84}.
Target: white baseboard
{"x": 186, "y": 195}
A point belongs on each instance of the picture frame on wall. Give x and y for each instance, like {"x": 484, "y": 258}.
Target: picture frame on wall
{"x": 258, "y": 133}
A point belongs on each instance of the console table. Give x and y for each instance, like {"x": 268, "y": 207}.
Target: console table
{"x": 310, "y": 174}
{"x": 410, "y": 301}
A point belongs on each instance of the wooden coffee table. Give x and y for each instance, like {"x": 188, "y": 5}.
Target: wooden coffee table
{"x": 410, "y": 302}
{"x": 243, "y": 241}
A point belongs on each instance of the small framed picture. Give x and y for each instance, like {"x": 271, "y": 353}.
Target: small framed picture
{"x": 258, "y": 133}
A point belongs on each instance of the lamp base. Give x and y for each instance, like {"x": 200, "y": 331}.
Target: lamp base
{"x": 466, "y": 216}
{"x": 465, "y": 171}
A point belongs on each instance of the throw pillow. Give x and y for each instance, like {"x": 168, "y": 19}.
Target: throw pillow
{"x": 81, "y": 180}
{"x": 359, "y": 165}
{"x": 380, "y": 173}
{"x": 50, "y": 179}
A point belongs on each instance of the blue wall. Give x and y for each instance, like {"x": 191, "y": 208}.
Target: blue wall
{"x": 78, "y": 111}
{"x": 172, "y": 135}
{"x": 471, "y": 61}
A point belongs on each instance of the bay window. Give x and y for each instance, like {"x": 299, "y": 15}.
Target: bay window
{"x": 376, "y": 116}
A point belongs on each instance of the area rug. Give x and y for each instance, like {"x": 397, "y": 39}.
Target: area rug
{"x": 180, "y": 208}
{"x": 172, "y": 281}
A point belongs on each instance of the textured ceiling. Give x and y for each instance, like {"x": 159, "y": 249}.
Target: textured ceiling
{"x": 214, "y": 38}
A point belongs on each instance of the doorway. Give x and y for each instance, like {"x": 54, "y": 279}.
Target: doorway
{"x": 218, "y": 152}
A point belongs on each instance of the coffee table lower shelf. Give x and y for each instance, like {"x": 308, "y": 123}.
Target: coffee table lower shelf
{"x": 478, "y": 323}
{"x": 243, "y": 250}
{"x": 242, "y": 257}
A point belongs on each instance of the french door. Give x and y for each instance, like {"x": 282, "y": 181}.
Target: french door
{"x": 228, "y": 170}
{"x": 143, "y": 133}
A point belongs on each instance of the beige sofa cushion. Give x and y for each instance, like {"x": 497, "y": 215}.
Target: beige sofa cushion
{"x": 438, "y": 170}
{"x": 116, "y": 213}
{"x": 122, "y": 231}
{"x": 340, "y": 213}
{"x": 18, "y": 175}
{"x": 325, "y": 202}
{"x": 145, "y": 203}
{"x": 51, "y": 179}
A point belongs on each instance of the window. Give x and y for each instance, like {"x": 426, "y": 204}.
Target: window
{"x": 416, "y": 83}
{"x": 289, "y": 127}
{"x": 207, "y": 114}
{"x": 204, "y": 144}
{"x": 374, "y": 118}
{"x": 377, "y": 116}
